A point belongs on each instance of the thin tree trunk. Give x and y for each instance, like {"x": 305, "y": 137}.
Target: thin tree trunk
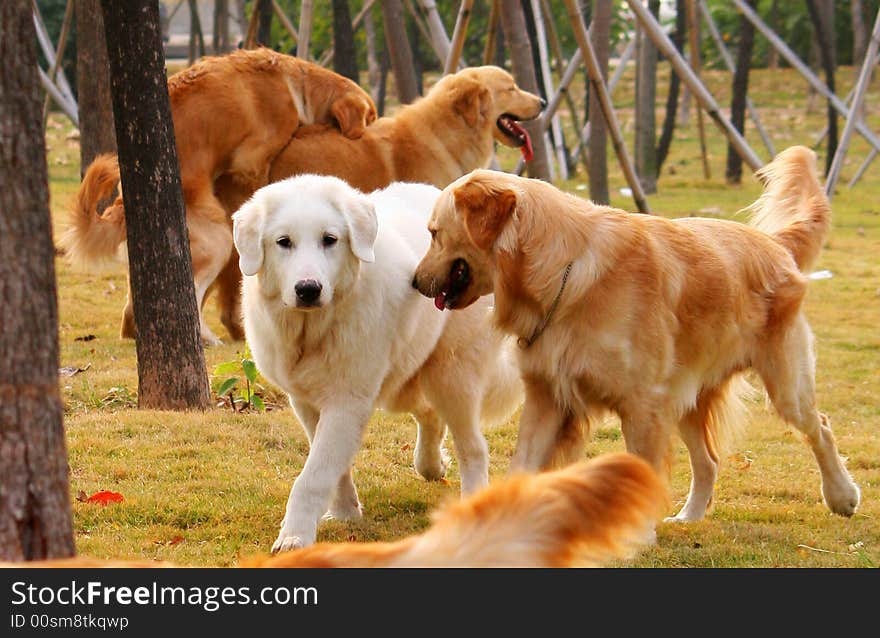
{"x": 822, "y": 15}
{"x": 220, "y": 39}
{"x": 645, "y": 150}
{"x": 171, "y": 364}
{"x": 514, "y": 24}
{"x": 96, "y": 131}
{"x": 264, "y": 11}
{"x": 35, "y": 516}
{"x": 773, "y": 20}
{"x": 860, "y": 32}
{"x": 305, "y": 29}
{"x": 196, "y": 37}
{"x": 668, "y": 129}
{"x": 344, "y": 58}
{"x": 600, "y": 34}
{"x": 399, "y": 52}
{"x": 740, "y": 92}
{"x": 374, "y": 71}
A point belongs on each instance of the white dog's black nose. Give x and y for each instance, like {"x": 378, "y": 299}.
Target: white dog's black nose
{"x": 308, "y": 290}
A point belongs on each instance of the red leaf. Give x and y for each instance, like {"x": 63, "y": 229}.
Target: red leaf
{"x": 105, "y": 498}
{"x": 175, "y": 540}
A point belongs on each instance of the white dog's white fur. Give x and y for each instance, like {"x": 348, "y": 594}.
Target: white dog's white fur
{"x": 357, "y": 336}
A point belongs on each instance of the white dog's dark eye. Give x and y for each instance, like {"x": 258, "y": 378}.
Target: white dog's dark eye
{"x": 284, "y": 242}
{"x": 329, "y": 240}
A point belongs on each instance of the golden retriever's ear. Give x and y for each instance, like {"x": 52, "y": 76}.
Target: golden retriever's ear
{"x": 247, "y": 233}
{"x": 363, "y": 227}
{"x": 353, "y": 113}
{"x": 471, "y": 101}
{"x": 485, "y": 213}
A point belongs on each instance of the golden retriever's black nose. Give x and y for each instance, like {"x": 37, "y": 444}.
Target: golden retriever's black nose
{"x": 308, "y": 290}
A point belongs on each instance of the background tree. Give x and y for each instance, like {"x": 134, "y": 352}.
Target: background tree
{"x": 740, "y": 92}
{"x": 344, "y": 57}
{"x": 517, "y": 39}
{"x": 35, "y": 516}
{"x": 822, "y": 15}
{"x": 399, "y": 52}
{"x": 645, "y": 150}
{"x": 171, "y": 364}
{"x": 668, "y": 128}
{"x": 600, "y": 34}
{"x": 220, "y": 37}
{"x": 97, "y": 133}
{"x": 264, "y": 22}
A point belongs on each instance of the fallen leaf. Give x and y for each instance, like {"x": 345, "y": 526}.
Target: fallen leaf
{"x": 404, "y": 447}
{"x": 175, "y": 540}
{"x": 105, "y": 497}
{"x": 86, "y": 338}
{"x": 69, "y": 371}
{"x": 82, "y": 497}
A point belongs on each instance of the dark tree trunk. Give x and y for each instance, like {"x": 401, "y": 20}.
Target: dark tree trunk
{"x": 264, "y": 23}
{"x": 516, "y": 35}
{"x": 668, "y": 129}
{"x": 740, "y": 92}
{"x": 418, "y": 59}
{"x": 96, "y": 132}
{"x": 196, "y": 37}
{"x": 171, "y": 364}
{"x": 645, "y": 150}
{"x": 822, "y": 15}
{"x": 220, "y": 39}
{"x": 500, "y": 46}
{"x": 600, "y": 34}
{"x": 399, "y": 52}
{"x": 344, "y": 58}
{"x": 35, "y": 517}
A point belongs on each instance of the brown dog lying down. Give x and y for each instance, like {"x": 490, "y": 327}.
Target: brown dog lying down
{"x": 437, "y": 139}
{"x": 651, "y": 318}
{"x": 232, "y": 115}
{"x": 584, "y": 515}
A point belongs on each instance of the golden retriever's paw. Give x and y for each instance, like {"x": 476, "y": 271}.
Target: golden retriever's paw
{"x": 210, "y": 339}
{"x": 286, "y": 543}
{"x": 346, "y": 512}
{"x": 842, "y": 496}
{"x": 432, "y": 467}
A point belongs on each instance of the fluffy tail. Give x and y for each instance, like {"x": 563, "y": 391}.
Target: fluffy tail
{"x": 793, "y": 209}
{"x": 93, "y": 237}
{"x": 723, "y": 415}
{"x": 584, "y": 515}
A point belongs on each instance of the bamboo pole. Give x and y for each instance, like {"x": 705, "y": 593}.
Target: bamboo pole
{"x": 46, "y": 45}
{"x": 439, "y": 40}
{"x": 305, "y": 29}
{"x": 420, "y": 25}
{"x": 694, "y": 37}
{"x": 803, "y": 69}
{"x": 556, "y": 48}
{"x": 251, "y": 36}
{"x": 863, "y": 168}
{"x": 285, "y": 21}
{"x": 59, "y": 54}
{"x": 461, "y": 23}
{"x": 492, "y": 36}
{"x": 544, "y": 58}
{"x": 698, "y": 90}
{"x": 598, "y": 84}
{"x": 858, "y": 99}
{"x": 61, "y": 100}
{"x": 731, "y": 66}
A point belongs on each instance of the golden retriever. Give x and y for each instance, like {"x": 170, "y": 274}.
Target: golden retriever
{"x": 582, "y": 516}
{"x": 232, "y": 115}
{"x": 437, "y": 139}
{"x": 651, "y": 318}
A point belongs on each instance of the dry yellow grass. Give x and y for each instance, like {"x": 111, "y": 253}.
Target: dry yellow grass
{"x": 205, "y": 489}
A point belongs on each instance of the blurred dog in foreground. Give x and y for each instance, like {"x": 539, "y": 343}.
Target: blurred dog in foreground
{"x": 581, "y": 516}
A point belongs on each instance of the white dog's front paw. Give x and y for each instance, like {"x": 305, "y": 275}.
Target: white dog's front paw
{"x": 432, "y": 465}
{"x": 286, "y": 543}
{"x": 346, "y": 512}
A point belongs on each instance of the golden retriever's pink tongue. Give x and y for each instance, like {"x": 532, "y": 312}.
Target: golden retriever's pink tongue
{"x": 526, "y": 149}
{"x": 440, "y": 301}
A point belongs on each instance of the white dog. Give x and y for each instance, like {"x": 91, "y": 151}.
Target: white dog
{"x": 332, "y": 318}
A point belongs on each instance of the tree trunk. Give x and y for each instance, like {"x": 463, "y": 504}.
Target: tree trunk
{"x": 35, "y": 517}
{"x": 399, "y": 53}
{"x": 220, "y": 38}
{"x": 822, "y": 15}
{"x": 344, "y": 59}
{"x": 645, "y": 150}
{"x": 514, "y": 23}
{"x": 740, "y": 92}
{"x": 600, "y": 34}
{"x": 264, "y": 24}
{"x": 677, "y": 37}
{"x": 171, "y": 364}
{"x": 773, "y": 21}
{"x": 96, "y": 132}
{"x": 196, "y": 37}
{"x": 374, "y": 71}
{"x": 860, "y": 33}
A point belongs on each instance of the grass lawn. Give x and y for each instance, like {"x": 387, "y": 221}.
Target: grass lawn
{"x": 207, "y": 489}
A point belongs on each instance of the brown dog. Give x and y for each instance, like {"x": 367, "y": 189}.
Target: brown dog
{"x": 435, "y": 140}
{"x": 581, "y": 516}
{"x": 232, "y": 115}
{"x": 651, "y": 318}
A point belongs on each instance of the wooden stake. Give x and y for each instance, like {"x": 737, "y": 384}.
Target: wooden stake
{"x": 305, "y": 29}
{"x": 461, "y": 22}
{"x": 598, "y": 83}
{"x": 439, "y": 40}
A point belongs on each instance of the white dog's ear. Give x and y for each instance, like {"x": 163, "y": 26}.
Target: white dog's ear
{"x": 248, "y": 236}
{"x": 362, "y": 226}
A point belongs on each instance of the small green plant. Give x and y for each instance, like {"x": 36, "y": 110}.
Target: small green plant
{"x": 242, "y": 367}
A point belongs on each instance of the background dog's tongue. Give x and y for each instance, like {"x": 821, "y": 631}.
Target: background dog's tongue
{"x": 526, "y": 149}
{"x": 440, "y": 301}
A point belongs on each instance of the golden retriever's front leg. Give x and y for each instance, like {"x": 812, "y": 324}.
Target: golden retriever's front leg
{"x": 539, "y": 425}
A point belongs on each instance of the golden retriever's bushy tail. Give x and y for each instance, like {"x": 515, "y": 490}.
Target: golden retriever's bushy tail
{"x": 584, "y": 515}
{"x": 793, "y": 209}
{"x": 93, "y": 237}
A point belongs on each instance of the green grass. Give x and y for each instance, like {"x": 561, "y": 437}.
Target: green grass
{"x": 207, "y": 489}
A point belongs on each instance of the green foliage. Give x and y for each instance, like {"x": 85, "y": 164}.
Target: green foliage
{"x": 236, "y": 371}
